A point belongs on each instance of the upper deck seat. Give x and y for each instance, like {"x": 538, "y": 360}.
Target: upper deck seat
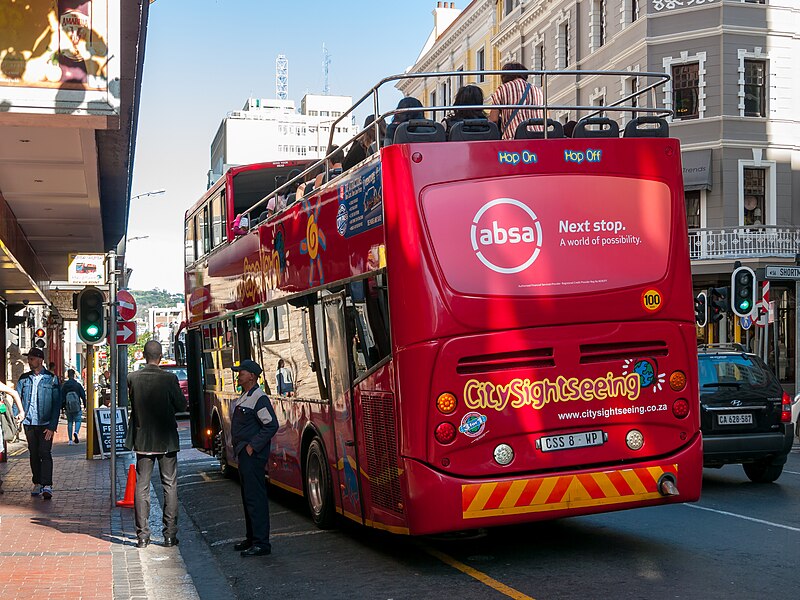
{"x": 602, "y": 127}
{"x": 634, "y": 127}
{"x": 525, "y": 130}
{"x": 471, "y": 130}
{"x": 419, "y": 130}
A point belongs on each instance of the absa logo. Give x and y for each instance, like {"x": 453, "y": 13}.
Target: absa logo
{"x": 506, "y": 235}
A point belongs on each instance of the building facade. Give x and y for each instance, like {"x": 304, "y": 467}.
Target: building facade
{"x": 268, "y": 130}
{"x": 735, "y": 109}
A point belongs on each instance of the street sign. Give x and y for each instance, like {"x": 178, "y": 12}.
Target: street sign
{"x": 138, "y": 355}
{"x": 746, "y": 322}
{"x": 86, "y": 269}
{"x": 782, "y": 272}
{"x": 126, "y": 333}
{"x": 127, "y": 305}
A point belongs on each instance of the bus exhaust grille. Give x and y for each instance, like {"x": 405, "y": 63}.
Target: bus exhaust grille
{"x": 380, "y": 440}
{"x": 536, "y": 358}
{"x": 594, "y": 353}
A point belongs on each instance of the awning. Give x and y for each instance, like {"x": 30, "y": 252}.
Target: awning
{"x": 696, "y": 170}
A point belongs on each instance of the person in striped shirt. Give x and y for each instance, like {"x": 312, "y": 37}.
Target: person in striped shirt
{"x": 515, "y": 89}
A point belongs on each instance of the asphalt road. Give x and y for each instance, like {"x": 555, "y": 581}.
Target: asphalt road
{"x": 741, "y": 540}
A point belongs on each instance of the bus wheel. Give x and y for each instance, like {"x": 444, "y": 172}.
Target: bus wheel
{"x": 319, "y": 491}
{"x": 219, "y": 452}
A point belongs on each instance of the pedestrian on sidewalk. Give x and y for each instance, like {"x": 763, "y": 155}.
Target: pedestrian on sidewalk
{"x": 8, "y": 422}
{"x": 73, "y": 397}
{"x": 41, "y": 402}
{"x": 252, "y": 426}
{"x": 154, "y": 396}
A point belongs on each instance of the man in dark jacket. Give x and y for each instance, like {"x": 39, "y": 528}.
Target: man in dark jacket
{"x": 252, "y": 426}
{"x": 155, "y": 397}
{"x": 41, "y": 401}
{"x": 73, "y": 399}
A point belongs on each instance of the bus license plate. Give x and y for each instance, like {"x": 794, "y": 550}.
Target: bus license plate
{"x": 735, "y": 419}
{"x": 571, "y": 440}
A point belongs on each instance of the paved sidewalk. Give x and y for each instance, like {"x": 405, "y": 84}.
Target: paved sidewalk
{"x": 75, "y": 545}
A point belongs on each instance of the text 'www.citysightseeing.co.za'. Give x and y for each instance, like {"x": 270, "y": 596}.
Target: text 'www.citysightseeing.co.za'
{"x": 604, "y": 413}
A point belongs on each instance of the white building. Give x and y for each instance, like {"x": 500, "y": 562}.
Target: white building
{"x": 268, "y": 130}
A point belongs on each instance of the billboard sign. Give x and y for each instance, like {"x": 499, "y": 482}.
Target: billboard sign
{"x": 86, "y": 269}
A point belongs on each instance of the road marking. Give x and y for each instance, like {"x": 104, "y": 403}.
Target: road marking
{"x": 474, "y": 573}
{"x": 273, "y": 535}
{"x": 754, "y": 520}
{"x": 183, "y": 485}
{"x": 792, "y": 472}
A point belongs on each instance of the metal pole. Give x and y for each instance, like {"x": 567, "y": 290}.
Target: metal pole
{"x": 114, "y": 362}
{"x": 91, "y": 402}
{"x": 775, "y": 356}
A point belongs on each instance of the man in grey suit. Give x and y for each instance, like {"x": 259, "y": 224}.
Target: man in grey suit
{"x": 155, "y": 397}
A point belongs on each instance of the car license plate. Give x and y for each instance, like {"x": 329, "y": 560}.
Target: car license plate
{"x": 571, "y": 440}
{"x": 735, "y": 419}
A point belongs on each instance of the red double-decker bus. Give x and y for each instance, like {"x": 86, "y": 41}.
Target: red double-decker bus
{"x": 476, "y": 332}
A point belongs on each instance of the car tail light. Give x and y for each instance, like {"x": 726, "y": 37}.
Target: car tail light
{"x": 677, "y": 381}
{"x": 445, "y": 433}
{"x": 446, "y": 403}
{"x": 209, "y": 433}
{"x": 680, "y": 408}
{"x": 786, "y": 408}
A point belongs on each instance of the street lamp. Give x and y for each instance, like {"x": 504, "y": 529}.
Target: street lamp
{"x": 153, "y": 193}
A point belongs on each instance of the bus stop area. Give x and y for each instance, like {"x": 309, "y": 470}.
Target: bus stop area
{"x": 76, "y": 545}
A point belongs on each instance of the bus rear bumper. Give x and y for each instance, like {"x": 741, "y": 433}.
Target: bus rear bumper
{"x": 440, "y": 502}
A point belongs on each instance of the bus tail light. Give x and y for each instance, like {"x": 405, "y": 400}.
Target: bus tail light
{"x": 680, "y": 408}
{"x": 503, "y": 454}
{"x": 634, "y": 439}
{"x": 786, "y": 408}
{"x": 677, "y": 381}
{"x": 209, "y": 433}
{"x": 446, "y": 403}
{"x": 445, "y": 433}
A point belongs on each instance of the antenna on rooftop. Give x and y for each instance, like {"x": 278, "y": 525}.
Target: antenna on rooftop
{"x": 282, "y": 77}
{"x": 326, "y": 61}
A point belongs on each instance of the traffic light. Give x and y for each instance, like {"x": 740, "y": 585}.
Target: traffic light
{"x": 743, "y": 291}
{"x": 718, "y": 304}
{"x": 701, "y": 309}
{"x": 91, "y": 315}
{"x": 38, "y": 336}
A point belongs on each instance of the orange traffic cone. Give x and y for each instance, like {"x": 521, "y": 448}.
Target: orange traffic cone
{"x": 130, "y": 489}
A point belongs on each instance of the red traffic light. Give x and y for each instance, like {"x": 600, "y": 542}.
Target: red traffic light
{"x": 40, "y": 333}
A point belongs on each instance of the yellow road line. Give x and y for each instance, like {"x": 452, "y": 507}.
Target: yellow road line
{"x": 474, "y": 573}
{"x": 18, "y": 452}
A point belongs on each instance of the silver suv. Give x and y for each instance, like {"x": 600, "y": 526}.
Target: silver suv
{"x": 745, "y": 416}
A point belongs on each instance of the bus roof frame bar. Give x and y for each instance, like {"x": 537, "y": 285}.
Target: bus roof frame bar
{"x": 661, "y": 79}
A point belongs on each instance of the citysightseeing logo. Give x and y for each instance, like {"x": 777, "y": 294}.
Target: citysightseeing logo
{"x": 506, "y": 235}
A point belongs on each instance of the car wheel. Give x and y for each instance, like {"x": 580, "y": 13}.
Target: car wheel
{"x": 319, "y": 490}
{"x": 219, "y": 452}
{"x": 762, "y": 472}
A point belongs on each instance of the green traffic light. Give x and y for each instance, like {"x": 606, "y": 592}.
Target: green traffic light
{"x": 92, "y": 330}
{"x": 258, "y": 318}
{"x": 744, "y": 305}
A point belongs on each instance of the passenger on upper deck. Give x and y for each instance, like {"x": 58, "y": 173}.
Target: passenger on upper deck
{"x": 334, "y": 164}
{"x": 407, "y": 102}
{"x": 515, "y": 89}
{"x": 468, "y": 95}
{"x": 363, "y": 146}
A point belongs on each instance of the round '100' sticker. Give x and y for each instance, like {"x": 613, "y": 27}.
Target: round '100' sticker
{"x": 652, "y": 300}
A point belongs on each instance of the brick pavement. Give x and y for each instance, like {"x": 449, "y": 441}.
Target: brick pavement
{"x": 76, "y": 546}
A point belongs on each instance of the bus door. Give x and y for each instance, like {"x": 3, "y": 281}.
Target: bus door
{"x": 339, "y": 385}
{"x": 198, "y": 419}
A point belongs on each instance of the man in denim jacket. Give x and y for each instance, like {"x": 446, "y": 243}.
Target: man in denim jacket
{"x": 41, "y": 401}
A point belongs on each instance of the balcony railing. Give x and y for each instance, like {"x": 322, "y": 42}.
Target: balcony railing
{"x": 743, "y": 242}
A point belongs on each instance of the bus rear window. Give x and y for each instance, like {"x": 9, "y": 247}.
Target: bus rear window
{"x": 549, "y": 235}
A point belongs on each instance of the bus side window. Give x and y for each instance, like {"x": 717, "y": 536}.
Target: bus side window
{"x": 189, "y": 255}
{"x": 367, "y": 325}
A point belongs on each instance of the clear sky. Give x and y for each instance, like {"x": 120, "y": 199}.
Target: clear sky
{"x": 204, "y": 59}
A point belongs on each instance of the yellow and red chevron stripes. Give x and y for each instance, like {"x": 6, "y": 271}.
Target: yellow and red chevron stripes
{"x": 560, "y": 492}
